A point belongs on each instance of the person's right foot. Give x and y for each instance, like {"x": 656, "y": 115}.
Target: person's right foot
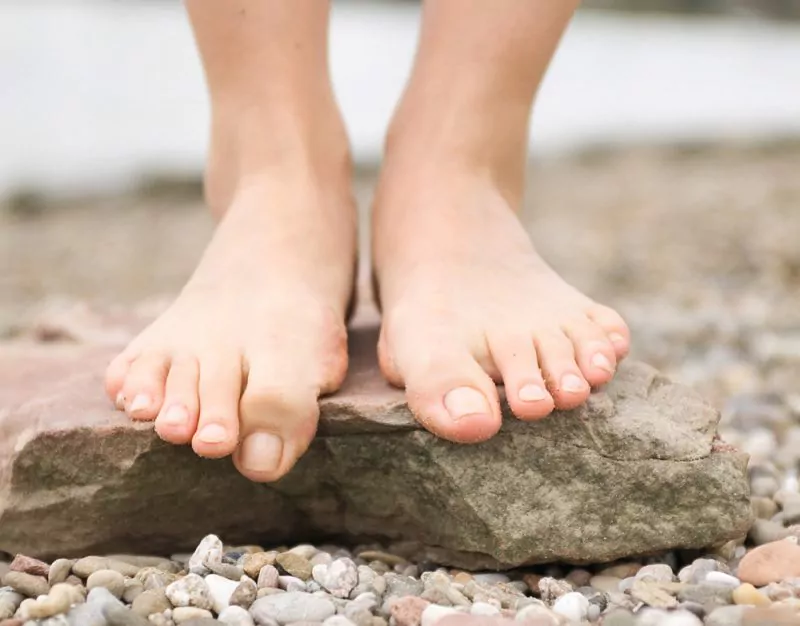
{"x": 238, "y": 361}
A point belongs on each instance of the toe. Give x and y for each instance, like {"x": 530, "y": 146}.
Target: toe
{"x": 219, "y": 390}
{"x": 177, "y": 420}
{"x": 515, "y": 357}
{"x": 593, "y": 351}
{"x": 451, "y": 395}
{"x": 562, "y": 374}
{"x": 143, "y": 390}
{"x": 278, "y": 422}
{"x": 116, "y": 372}
{"x": 614, "y": 327}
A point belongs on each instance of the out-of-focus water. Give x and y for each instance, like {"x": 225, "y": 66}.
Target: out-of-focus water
{"x": 93, "y": 94}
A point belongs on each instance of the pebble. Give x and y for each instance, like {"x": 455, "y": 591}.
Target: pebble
{"x": 338, "y": 620}
{"x": 154, "y": 578}
{"x": 491, "y": 578}
{"x": 289, "y": 607}
{"x": 659, "y": 573}
{"x": 384, "y": 557}
{"x": 747, "y": 594}
{"x": 305, "y": 550}
{"x": 572, "y": 605}
{"x": 763, "y": 508}
{"x": 208, "y": 550}
{"x": 339, "y": 578}
{"x": 120, "y": 616}
{"x": 725, "y": 616}
{"x": 133, "y": 589}
{"x": 721, "y": 578}
{"x": 399, "y": 585}
{"x": 291, "y": 583}
{"x": 605, "y": 583}
{"x": 771, "y": 562}
{"x": 227, "y": 570}
{"x": 433, "y": 613}
{"x": 27, "y": 584}
{"x": 295, "y": 565}
{"x": 407, "y": 611}
{"x": 88, "y": 565}
{"x": 236, "y": 616}
{"x": 111, "y": 580}
{"x": 484, "y": 608}
{"x": 28, "y": 565}
{"x": 191, "y": 590}
{"x": 151, "y": 601}
{"x": 268, "y": 577}
{"x": 244, "y": 594}
{"x": 252, "y": 563}
{"x": 59, "y": 570}
{"x": 551, "y": 589}
{"x": 707, "y": 594}
{"x": 697, "y": 571}
{"x": 183, "y": 614}
{"x": 766, "y": 531}
{"x": 621, "y": 570}
{"x": 539, "y": 615}
{"x": 9, "y": 602}
{"x": 220, "y": 590}
{"x": 59, "y": 600}
{"x": 619, "y": 617}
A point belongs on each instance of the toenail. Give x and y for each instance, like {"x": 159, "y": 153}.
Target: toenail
{"x": 175, "y": 416}
{"x": 601, "y": 361}
{"x": 120, "y": 401}
{"x": 572, "y": 382}
{"x": 616, "y": 338}
{"x": 213, "y": 433}
{"x": 262, "y": 452}
{"x": 532, "y": 393}
{"x": 140, "y": 401}
{"x": 465, "y": 401}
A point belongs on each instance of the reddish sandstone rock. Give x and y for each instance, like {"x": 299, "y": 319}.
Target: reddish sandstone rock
{"x": 407, "y": 611}
{"x": 636, "y": 470}
{"x": 22, "y": 563}
{"x": 770, "y": 563}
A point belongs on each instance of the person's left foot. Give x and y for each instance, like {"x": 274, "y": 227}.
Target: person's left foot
{"x": 467, "y": 300}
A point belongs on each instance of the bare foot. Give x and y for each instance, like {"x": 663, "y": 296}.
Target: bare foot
{"x": 467, "y": 300}
{"x": 258, "y": 333}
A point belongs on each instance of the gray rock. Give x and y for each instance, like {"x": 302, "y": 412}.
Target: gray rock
{"x": 696, "y": 572}
{"x": 659, "y": 573}
{"x": 236, "y": 616}
{"x": 245, "y": 593}
{"x": 339, "y": 578}
{"x": 87, "y": 615}
{"x": 209, "y": 549}
{"x": 398, "y": 585}
{"x": 726, "y": 616}
{"x": 291, "y": 607}
{"x": 631, "y": 443}
{"x": 707, "y": 594}
{"x": 9, "y": 602}
{"x": 119, "y": 616}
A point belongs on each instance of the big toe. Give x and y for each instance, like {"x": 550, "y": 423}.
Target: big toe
{"x": 277, "y": 424}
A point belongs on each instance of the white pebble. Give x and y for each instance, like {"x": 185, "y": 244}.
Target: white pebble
{"x": 220, "y": 590}
{"x": 572, "y": 605}
{"x": 680, "y": 618}
{"x": 337, "y": 620}
{"x": 210, "y": 548}
{"x": 723, "y": 579}
{"x": 291, "y": 583}
{"x": 484, "y": 608}
{"x": 185, "y": 613}
{"x": 538, "y": 613}
{"x": 491, "y": 578}
{"x": 236, "y": 616}
{"x": 433, "y": 613}
{"x": 339, "y": 578}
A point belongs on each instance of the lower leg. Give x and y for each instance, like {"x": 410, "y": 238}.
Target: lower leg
{"x": 466, "y": 299}
{"x": 258, "y": 332}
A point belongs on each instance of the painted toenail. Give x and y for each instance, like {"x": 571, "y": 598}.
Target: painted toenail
{"x": 140, "y": 402}
{"x": 176, "y": 415}
{"x": 601, "y": 361}
{"x": 465, "y": 401}
{"x": 213, "y": 433}
{"x": 532, "y": 393}
{"x": 616, "y": 338}
{"x": 120, "y": 401}
{"x": 262, "y": 452}
{"x": 573, "y": 383}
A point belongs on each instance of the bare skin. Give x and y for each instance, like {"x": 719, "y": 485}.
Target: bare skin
{"x": 235, "y": 366}
{"x": 467, "y": 301}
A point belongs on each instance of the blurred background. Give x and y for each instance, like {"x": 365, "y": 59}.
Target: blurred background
{"x": 665, "y": 175}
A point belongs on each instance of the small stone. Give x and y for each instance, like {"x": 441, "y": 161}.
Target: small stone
{"x": 491, "y": 578}
{"x": 462, "y": 578}
{"x": 680, "y": 618}
{"x": 155, "y": 578}
{"x": 721, "y": 578}
{"x": 407, "y": 611}
{"x": 765, "y": 531}
{"x": 226, "y": 570}
{"x": 220, "y": 590}
{"x": 619, "y": 617}
{"x": 747, "y": 594}
{"x": 252, "y": 563}
{"x": 659, "y": 573}
{"x": 384, "y": 557}
{"x": 244, "y": 594}
{"x": 208, "y": 550}
{"x": 484, "y": 608}
{"x": 621, "y": 570}
{"x": 183, "y": 614}
{"x": 697, "y": 571}
{"x": 552, "y": 589}
{"x": 321, "y": 558}
{"x": 268, "y": 577}
{"x": 291, "y": 583}
{"x": 87, "y": 566}
{"x": 236, "y": 616}
{"x": 9, "y": 602}
{"x": 725, "y": 616}
{"x": 579, "y": 577}
{"x": 27, "y": 584}
{"x": 59, "y": 570}
{"x": 133, "y": 589}
{"x": 773, "y": 616}
{"x": 151, "y": 601}
{"x": 605, "y": 583}
{"x": 338, "y": 620}
{"x": 539, "y": 615}
{"x": 28, "y": 565}
{"x": 339, "y": 578}
{"x": 399, "y": 585}
{"x": 59, "y": 600}
{"x": 189, "y": 591}
{"x": 433, "y": 613}
{"x": 572, "y": 605}
{"x": 288, "y": 607}
{"x": 771, "y": 562}
{"x": 122, "y": 616}
{"x": 707, "y": 594}
{"x": 111, "y": 580}
{"x": 764, "y": 486}
{"x": 763, "y": 508}
{"x": 305, "y": 550}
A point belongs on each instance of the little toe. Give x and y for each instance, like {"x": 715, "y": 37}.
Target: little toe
{"x": 116, "y": 372}
{"x": 219, "y": 390}
{"x": 526, "y": 393}
{"x": 143, "y": 390}
{"x": 562, "y": 374}
{"x": 453, "y": 397}
{"x": 593, "y": 351}
{"x": 278, "y": 422}
{"x": 177, "y": 420}
{"x": 614, "y": 327}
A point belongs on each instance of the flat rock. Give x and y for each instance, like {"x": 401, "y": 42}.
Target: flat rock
{"x": 638, "y": 469}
